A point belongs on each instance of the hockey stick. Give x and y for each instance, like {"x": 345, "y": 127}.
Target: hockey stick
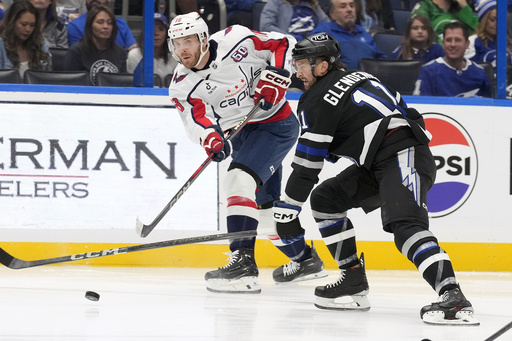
{"x": 145, "y": 230}
{"x": 499, "y": 332}
{"x": 16, "y": 263}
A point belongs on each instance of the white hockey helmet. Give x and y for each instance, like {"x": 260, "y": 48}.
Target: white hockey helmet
{"x": 185, "y": 25}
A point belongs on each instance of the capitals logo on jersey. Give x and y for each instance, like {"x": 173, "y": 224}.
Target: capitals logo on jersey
{"x": 456, "y": 161}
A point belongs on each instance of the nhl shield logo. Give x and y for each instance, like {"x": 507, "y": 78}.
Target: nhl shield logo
{"x": 456, "y": 162}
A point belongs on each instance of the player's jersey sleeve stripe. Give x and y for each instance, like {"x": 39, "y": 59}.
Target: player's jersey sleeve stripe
{"x": 312, "y": 151}
{"x": 307, "y": 163}
{"x": 275, "y": 46}
{"x": 199, "y": 112}
{"x": 317, "y": 137}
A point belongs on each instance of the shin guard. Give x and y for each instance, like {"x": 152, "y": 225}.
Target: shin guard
{"x": 420, "y": 247}
{"x": 339, "y": 237}
{"x": 242, "y": 211}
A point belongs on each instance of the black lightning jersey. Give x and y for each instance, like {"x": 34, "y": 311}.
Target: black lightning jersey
{"x": 346, "y": 114}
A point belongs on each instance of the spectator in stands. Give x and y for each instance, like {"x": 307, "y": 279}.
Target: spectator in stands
{"x": 163, "y": 61}
{"x": 441, "y": 12}
{"x": 54, "y": 32}
{"x": 295, "y": 17}
{"x": 240, "y": 13}
{"x": 162, "y": 7}
{"x": 355, "y": 42}
{"x": 453, "y": 75}
{"x": 377, "y": 16}
{"x": 1, "y": 9}
{"x": 419, "y": 42}
{"x": 186, "y": 6}
{"x": 97, "y": 50}
{"x": 124, "y": 35}
{"x": 22, "y": 46}
{"x": 482, "y": 45}
{"x": 68, "y": 10}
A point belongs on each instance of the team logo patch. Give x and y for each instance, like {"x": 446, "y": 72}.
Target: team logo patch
{"x": 102, "y": 65}
{"x": 240, "y": 54}
{"x": 457, "y": 165}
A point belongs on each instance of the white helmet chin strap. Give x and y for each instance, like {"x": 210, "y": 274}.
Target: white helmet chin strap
{"x": 203, "y": 53}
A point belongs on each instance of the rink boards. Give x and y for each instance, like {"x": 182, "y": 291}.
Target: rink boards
{"x": 77, "y": 169}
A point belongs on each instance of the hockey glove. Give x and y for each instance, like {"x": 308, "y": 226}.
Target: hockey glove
{"x": 215, "y": 143}
{"x": 331, "y": 158}
{"x": 272, "y": 86}
{"x": 288, "y": 225}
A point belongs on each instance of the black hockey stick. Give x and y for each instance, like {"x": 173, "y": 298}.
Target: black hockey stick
{"x": 499, "y": 332}
{"x": 16, "y": 263}
{"x": 145, "y": 230}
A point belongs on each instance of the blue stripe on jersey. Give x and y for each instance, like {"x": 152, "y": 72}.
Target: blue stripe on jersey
{"x": 312, "y": 151}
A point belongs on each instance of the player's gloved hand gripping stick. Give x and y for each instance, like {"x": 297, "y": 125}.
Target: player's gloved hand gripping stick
{"x": 215, "y": 143}
{"x": 145, "y": 230}
{"x": 272, "y": 86}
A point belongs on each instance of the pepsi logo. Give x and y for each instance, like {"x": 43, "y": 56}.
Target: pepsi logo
{"x": 456, "y": 162}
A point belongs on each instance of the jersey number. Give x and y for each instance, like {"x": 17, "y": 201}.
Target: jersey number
{"x": 380, "y": 105}
{"x": 177, "y": 104}
{"x": 302, "y": 119}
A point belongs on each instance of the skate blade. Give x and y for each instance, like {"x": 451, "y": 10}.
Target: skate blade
{"x": 462, "y": 318}
{"x": 353, "y": 302}
{"x": 320, "y": 274}
{"x": 244, "y": 285}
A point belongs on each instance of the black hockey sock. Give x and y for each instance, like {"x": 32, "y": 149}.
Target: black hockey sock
{"x": 296, "y": 251}
{"x": 343, "y": 248}
{"x": 238, "y": 223}
{"x": 447, "y": 287}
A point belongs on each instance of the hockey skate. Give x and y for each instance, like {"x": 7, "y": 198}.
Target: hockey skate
{"x": 240, "y": 275}
{"x": 310, "y": 268}
{"x": 452, "y": 308}
{"x": 347, "y": 293}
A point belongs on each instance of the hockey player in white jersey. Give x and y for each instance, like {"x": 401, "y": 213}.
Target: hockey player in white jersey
{"x": 219, "y": 80}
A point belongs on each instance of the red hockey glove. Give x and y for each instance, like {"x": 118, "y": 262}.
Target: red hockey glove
{"x": 272, "y": 86}
{"x": 215, "y": 143}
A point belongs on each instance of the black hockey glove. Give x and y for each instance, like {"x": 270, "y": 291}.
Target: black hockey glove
{"x": 331, "y": 158}
{"x": 288, "y": 225}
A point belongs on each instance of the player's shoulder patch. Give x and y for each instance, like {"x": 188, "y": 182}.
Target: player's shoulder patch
{"x": 227, "y": 30}
{"x": 178, "y": 78}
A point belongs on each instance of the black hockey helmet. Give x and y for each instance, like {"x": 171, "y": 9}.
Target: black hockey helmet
{"x": 315, "y": 46}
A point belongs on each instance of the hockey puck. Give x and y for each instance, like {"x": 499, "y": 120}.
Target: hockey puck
{"x": 92, "y": 296}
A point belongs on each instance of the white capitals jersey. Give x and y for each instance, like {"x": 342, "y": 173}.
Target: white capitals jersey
{"x": 223, "y": 92}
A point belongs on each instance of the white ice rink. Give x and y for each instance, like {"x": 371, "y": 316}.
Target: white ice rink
{"x": 48, "y": 303}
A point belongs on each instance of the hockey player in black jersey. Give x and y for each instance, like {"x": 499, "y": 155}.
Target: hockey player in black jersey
{"x": 351, "y": 114}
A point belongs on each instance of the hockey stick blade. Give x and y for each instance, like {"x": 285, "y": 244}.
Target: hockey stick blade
{"x": 144, "y": 230}
{"x": 15, "y": 263}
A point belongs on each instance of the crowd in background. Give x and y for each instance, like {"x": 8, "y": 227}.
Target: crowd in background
{"x": 96, "y": 40}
